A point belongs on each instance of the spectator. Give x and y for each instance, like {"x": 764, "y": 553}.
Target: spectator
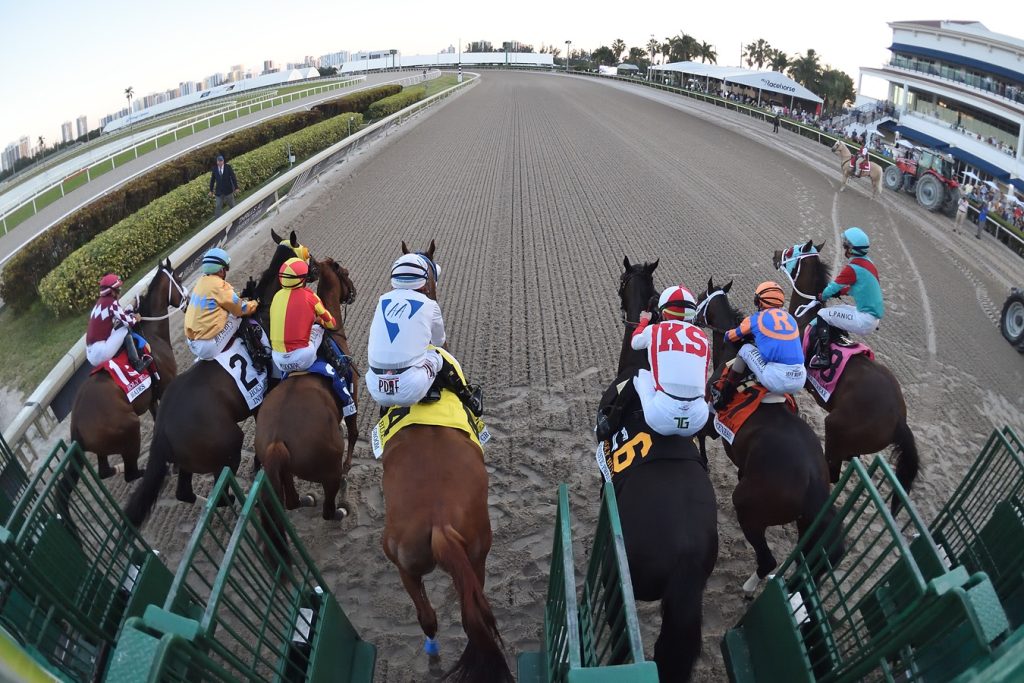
{"x": 961, "y": 211}
{"x": 982, "y": 218}
{"x": 223, "y": 185}
{"x": 775, "y": 123}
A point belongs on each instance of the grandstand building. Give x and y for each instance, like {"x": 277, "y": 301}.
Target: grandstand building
{"x": 958, "y": 87}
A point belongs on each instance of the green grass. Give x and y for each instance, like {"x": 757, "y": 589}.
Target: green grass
{"x": 75, "y": 182}
{"x": 19, "y": 216}
{"x": 33, "y": 343}
{"x": 440, "y": 83}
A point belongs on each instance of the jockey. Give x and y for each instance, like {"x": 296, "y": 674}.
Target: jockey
{"x": 672, "y": 391}
{"x": 776, "y": 356}
{"x": 214, "y": 310}
{"x": 859, "y": 278}
{"x": 109, "y": 328}
{"x": 297, "y": 322}
{"x": 403, "y": 370}
{"x": 858, "y": 159}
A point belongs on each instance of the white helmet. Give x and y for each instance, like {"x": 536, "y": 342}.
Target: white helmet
{"x": 677, "y": 302}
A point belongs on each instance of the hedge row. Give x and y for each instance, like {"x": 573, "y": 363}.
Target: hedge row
{"x": 389, "y": 105}
{"x": 22, "y": 274}
{"x": 71, "y": 286}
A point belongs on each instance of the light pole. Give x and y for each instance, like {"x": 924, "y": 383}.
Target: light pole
{"x": 568, "y": 52}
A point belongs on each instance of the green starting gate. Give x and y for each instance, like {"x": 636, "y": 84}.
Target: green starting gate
{"x": 13, "y": 480}
{"x": 888, "y": 609}
{"x": 72, "y": 568}
{"x": 247, "y": 604}
{"x": 981, "y": 528}
{"x": 596, "y": 640}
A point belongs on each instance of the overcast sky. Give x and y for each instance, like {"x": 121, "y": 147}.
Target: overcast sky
{"x": 62, "y": 59}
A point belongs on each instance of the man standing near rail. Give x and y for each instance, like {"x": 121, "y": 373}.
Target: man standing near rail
{"x": 223, "y": 185}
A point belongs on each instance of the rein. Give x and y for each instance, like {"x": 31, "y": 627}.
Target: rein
{"x": 700, "y": 316}
{"x": 784, "y": 267}
{"x": 181, "y": 291}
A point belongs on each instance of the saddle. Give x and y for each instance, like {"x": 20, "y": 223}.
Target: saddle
{"x": 447, "y": 411}
{"x": 341, "y": 385}
{"x": 130, "y": 381}
{"x": 841, "y": 350}
{"x": 748, "y": 398}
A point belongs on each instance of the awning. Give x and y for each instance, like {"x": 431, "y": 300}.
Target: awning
{"x": 768, "y": 81}
{"x": 922, "y": 138}
{"x": 980, "y": 164}
{"x": 1018, "y": 183}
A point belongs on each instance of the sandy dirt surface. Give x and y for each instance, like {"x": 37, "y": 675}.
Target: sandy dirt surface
{"x": 534, "y": 187}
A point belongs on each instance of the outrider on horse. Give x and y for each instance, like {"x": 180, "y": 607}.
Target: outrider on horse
{"x": 665, "y": 498}
{"x": 104, "y": 420}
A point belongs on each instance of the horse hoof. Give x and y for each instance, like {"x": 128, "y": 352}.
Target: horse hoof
{"x": 106, "y": 472}
{"x": 307, "y": 501}
{"x": 134, "y": 475}
{"x": 750, "y": 585}
{"x": 191, "y": 500}
{"x": 431, "y": 648}
{"x": 341, "y": 512}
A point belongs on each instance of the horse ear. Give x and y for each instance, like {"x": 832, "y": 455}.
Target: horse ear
{"x": 819, "y": 246}
{"x": 727, "y": 286}
{"x": 405, "y": 249}
{"x": 651, "y": 267}
{"x": 810, "y": 243}
{"x": 430, "y": 251}
{"x": 294, "y": 239}
{"x": 711, "y": 284}
{"x": 274, "y": 236}
{"x": 625, "y": 263}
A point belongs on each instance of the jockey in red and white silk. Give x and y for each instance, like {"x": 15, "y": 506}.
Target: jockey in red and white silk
{"x": 859, "y": 159}
{"x": 672, "y": 391}
{"x": 109, "y": 328}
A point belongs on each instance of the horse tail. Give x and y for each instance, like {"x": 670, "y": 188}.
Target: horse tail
{"x": 146, "y": 492}
{"x": 678, "y": 644}
{"x": 904, "y": 447}
{"x": 274, "y": 460}
{"x": 484, "y": 658}
{"x": 828, "y": 533}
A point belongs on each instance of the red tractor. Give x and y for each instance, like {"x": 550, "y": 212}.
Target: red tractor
{"x": 927, "y": 175}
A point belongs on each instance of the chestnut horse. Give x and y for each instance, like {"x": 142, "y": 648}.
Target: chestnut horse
{"x": 297, "y": 431}
{"x": 846, "y": 171}
{"x": 102, "y": 420}
{"x": 435, "y": 498}
{"x": 782, "y": 473}
{"x": 866, "y": 413}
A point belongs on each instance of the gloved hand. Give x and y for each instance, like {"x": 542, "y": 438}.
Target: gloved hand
{"x": 252, "y": 306}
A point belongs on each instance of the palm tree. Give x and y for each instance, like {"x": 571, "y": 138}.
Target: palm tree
{"x": 666, "y": 50}
{"x": 683, "y": 47}
{"x": 806, "y": 69}
{"x": 618, "y": 47}
{"x": 42, "y": 146}
{"x": 707, "y": 53}
{"x": 653, "y": 46}
{"x": 778, "y": 61}
{"x": 128, "y": 93}
{"x": 836, "y": 87}
{"x": 759, "y": 53}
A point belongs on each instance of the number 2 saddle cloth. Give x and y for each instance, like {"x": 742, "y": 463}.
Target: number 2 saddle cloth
{"x": 446, "y": 412}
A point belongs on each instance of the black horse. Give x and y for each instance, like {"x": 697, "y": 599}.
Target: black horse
{"x": 783, "y": 476}
{"x": 666, "y": 502}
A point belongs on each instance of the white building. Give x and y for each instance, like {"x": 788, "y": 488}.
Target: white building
{"x": 82, "y": 125}
{"x": 958, "y": 87}
{"x": 65, "y": 132}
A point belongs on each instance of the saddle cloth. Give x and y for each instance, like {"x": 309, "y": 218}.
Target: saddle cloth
{"x": 826, "y": 380}
{"x": 865, "y": 167}
{"x": 132, "y": 383}
{"x": 237, "y": 362}
{"x": 342, "y": 386}
{"x": 749, "y": 396}
{"x": 446, "y": 412}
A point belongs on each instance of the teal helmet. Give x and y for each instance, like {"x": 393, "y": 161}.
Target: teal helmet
{"x": 856, "y": 240}
{"x": 215, "y": 260}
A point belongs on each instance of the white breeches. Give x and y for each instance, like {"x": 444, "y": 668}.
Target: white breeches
{"x": 208, "y": 349}
{"x": 775, "y": 377}
{"x": 302, "y": 358}
{"x": 667, "y": 415}
{"x": 847, "y": 317}
{"x": 99, "y": 353}
{"x": 404, "y": 388}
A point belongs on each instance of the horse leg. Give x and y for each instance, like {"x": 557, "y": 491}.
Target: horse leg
{"x": 835, "y": 453}
{"x": 103, "y": 467}
{"x": 425, "y": 613}
{"x": 130, "y": 457}
{"x": 352, "y": 432}
{"x": 184, "y": 491}
{"x": 330, "y": 509}
{"x": 753, "y": 531}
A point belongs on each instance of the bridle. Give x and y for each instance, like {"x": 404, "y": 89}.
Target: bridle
{"x": 623, "y": 281}
{"x": 181, "y": 291}
{"x": 797, "y": 256}
{"x": 700, "y": 316}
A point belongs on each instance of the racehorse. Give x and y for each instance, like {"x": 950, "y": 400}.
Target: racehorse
{"x": 297, "y": 430}
{"x": 782, "y": 473}
{"x": 435, "y": 497}
{"x": 846, "y": 170}
{"x": 666, "y": 506}
{"x": 866, "y": 412}
{"x": 102, "y": 419}
{"x": 268, "y": 283}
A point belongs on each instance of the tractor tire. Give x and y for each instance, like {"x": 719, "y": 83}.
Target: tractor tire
{"x": 930, "y": 193}
{"x": 893, "y": 178}
{"x": 949, "y": 206}
{"x": 1011, "y": 321}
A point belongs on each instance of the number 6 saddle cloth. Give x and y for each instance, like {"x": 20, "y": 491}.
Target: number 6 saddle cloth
{"x": 446, "y": 412}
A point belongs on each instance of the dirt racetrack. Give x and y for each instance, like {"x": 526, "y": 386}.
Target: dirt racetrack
{"x": 535, "y": 186}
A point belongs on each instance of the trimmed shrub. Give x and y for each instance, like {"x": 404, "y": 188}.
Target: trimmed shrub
{"x": 71, "y": 286}
{"x": 389, "y": 105}
{"x": 24, "y": 271}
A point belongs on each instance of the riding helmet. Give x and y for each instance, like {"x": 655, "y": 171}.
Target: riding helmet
{"x": 769, "y": 295}
{"x": 857, "y": 241}
{"x": 109, "y": 282}
{"x": 293, "y": 273}
{"x": 677, "y": 302}
{"x": 216, "y": 260}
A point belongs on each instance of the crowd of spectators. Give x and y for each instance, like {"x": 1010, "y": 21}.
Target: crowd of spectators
{"x": 990, "y": 202}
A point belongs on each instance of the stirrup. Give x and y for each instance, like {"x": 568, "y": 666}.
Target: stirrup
{"x": 819, "y": 361}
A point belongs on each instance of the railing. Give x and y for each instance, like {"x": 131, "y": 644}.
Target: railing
{"x": 1010, "y": 92}
{"x": 966, "y": 125}
{"x": 36, "y": 409}
{"x": 56, "y": 190}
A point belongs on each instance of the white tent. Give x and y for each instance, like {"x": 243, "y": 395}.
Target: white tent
{"x": 762, "y": 81}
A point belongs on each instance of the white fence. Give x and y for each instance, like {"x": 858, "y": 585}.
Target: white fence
{"x": 36, "y": 410}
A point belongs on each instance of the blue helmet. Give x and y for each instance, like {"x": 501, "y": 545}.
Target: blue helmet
{"x": 215, "y": 260}
{"x": 856, "y": 240}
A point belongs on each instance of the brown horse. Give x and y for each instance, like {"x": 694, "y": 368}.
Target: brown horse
{"x": 102, "y": 420}
{"x": 435, "y": 496}
{"x": 846, "y": 171}
{"x": 866, "y": 413}
{"x": 297, "y": 430}
{"x": 782, "y": 473}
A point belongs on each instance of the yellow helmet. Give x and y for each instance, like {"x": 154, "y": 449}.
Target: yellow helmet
{"x": 293, "y": 273}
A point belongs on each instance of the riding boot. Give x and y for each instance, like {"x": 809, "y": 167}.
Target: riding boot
{"x": 822, "y": 347}
{"x": 723, "y": 392}
{"x": 139, "y": 364}
{"x": 609, "y": 417}
{"x": 330, "y": 352}
{"x": 448, "y": 378}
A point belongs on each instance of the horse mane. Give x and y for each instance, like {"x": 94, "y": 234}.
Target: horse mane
{"x": 822, "y": 276}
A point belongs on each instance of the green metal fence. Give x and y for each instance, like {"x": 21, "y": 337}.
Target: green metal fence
{"x": 981, "y": 527}
{"x": 263, "y": 612}
{"x": 888, "y": 610}
{"x": 13, "y": 479}
{"x": 73, "y": 568}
